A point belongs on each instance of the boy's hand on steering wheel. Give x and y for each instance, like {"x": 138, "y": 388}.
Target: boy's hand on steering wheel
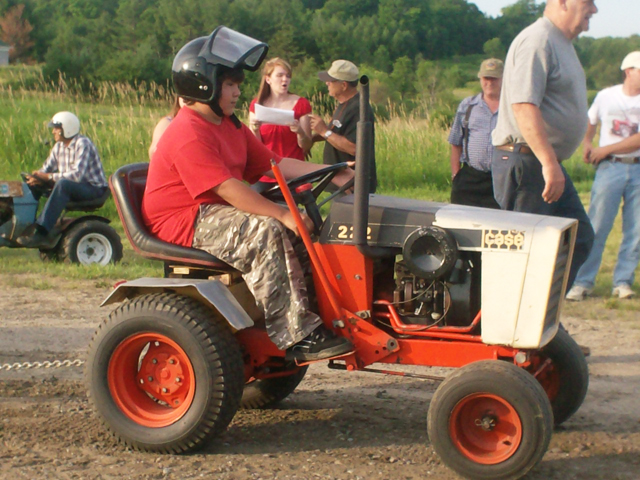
{"x": 289, "y": 222}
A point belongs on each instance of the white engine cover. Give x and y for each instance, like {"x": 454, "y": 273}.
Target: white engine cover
{"x": 525, "y": 267}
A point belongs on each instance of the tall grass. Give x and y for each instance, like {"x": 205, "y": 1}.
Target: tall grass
{"x": 412, "y": 153}
{"x": 411, "y": 148}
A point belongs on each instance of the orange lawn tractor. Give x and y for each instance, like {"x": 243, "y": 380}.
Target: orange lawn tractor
{"x": 407, "y": 282}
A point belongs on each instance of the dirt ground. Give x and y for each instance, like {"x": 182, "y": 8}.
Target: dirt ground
{"x": 337, "y": 425}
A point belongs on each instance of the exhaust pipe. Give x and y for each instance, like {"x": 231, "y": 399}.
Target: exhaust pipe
{"x": 364, "y": 154}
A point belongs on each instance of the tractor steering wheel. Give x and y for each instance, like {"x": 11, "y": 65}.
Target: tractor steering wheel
{"x": 322, "y": 177}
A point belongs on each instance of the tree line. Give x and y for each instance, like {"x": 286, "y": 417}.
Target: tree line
{"x": 416, "y": 50}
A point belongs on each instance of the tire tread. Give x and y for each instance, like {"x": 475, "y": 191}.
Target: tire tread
{"x": 224, "y": 354}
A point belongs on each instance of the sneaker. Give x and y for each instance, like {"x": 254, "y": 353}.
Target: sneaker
{"x": 623, "y": 291}
{"x": 578, "y": 293}
{"x": 321, "y": 344}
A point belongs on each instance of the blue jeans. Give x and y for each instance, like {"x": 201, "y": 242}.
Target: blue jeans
{"x": 65, "y": 191}
{"x": 613, "y": 183}
{"x": 518, "y": 184}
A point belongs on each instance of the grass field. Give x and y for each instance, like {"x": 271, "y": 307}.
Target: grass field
{"x": 411, "y": 153}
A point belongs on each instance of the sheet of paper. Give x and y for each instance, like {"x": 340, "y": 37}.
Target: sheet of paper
{"x": 275, "y": 116}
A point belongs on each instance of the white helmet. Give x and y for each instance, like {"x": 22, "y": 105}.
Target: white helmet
{"x": 68, "y": 122}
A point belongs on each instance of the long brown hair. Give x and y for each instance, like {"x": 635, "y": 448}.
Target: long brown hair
{"x": 269, "y": 67}
{"x": 175, "y": 108}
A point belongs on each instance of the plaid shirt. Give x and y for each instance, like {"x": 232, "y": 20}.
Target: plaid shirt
{"x": 481, "y": 124}
{"x": 79, "y": 162}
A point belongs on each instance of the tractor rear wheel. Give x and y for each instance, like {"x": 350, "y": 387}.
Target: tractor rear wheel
{"x": 490, "y": 420}
{"x": 90, "y": 241}
{"x": 164, "y": 374}
{"x": 49, "y": 255}
{"x": 562, "y": 370}
{"x": 267, "y": 392}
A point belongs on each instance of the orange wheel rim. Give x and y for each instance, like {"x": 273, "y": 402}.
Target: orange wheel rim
{"x": 485, "y": 428}
{"x": 151, "y": 379}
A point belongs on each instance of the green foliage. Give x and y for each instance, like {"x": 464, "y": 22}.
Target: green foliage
{"x": 602, "y": 58}
{"x": 114, "y": 40}
{"x": 515, "y": 18}
{"x": 494, "y": 48}
{"x": 417, "y": 52}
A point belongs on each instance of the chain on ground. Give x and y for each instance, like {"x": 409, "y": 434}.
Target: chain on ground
{"x": 45, "y": 364}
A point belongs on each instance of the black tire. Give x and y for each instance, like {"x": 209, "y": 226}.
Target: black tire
{"x": 207, "y": 352}
{"x": 49, "y": 255}
{"x": 267, "y": 392}
{"x": 490, "y": 420}
{"x": 566, "y": 378}
{"x": 90, "y": 241}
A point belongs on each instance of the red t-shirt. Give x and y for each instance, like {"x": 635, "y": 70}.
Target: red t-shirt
{"x": 194, "y": 156}
{"x": 279, "y": 138}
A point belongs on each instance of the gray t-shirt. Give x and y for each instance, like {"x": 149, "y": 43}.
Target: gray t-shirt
{"x": 542, "y": 68}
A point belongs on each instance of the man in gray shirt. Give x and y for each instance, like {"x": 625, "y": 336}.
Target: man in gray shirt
{"x": 542, "y": 120}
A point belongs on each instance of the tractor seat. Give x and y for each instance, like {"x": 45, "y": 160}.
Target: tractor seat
{"x": 127, "y": 185}
{"x": 89, "y": 205}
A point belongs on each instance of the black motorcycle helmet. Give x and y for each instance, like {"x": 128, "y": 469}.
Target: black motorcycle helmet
{"x": 200, "y": 64}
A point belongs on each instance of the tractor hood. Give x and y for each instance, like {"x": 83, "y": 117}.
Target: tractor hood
{"x": 392, "y": 220}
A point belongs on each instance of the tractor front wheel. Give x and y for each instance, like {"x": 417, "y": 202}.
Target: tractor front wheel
{"x": 490, "y": 420}
{"x": 164, "y": 373}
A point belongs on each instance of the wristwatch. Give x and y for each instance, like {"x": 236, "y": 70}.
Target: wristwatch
{"x": 327, "y": 134}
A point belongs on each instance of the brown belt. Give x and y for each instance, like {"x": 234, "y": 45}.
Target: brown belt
{"x": 510, "y": 147}
{"x": 626, "y": 160}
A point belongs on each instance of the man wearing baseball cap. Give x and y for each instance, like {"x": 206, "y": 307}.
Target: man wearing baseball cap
{"x": 470, "y": 140}
{"x": 340, "y": 135}
{"x": 617, "y": 163}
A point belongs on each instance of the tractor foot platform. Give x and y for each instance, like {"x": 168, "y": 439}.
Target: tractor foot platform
{"x": 300, "y": 363}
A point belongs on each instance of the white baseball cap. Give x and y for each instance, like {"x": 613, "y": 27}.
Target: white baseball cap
{"x": 631, "y": 61}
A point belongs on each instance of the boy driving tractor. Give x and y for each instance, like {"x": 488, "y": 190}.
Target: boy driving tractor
{"x": 195, "y": 192}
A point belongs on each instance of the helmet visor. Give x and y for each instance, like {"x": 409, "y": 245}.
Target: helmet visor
{"x": 234, "y": 50}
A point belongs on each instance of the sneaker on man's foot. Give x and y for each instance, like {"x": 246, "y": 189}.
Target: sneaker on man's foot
{"x": 623, "y": 291}
{"x": 320, "y": 344}
{"x": 578, "y": 293}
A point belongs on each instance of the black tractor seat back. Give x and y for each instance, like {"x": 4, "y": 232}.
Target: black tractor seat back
{"x": 127, "y": 185}
{"x": 89, "y": 205}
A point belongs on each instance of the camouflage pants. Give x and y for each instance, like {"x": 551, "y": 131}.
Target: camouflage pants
{"x": 260, "y": 249}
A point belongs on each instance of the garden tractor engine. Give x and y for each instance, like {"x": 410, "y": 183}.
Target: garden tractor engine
{"x": 433, "y": 280}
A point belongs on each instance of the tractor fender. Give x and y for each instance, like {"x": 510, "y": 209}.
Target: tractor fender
{"x": 67, "y": 222}
{"x": 212, "y": 293}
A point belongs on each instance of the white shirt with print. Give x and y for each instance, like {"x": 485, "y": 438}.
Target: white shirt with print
{"x": 618, "y": 114}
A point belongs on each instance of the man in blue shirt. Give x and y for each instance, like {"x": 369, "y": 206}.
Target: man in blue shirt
{"x": 74, "y": 172}
{"x": 470, "y": 140}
